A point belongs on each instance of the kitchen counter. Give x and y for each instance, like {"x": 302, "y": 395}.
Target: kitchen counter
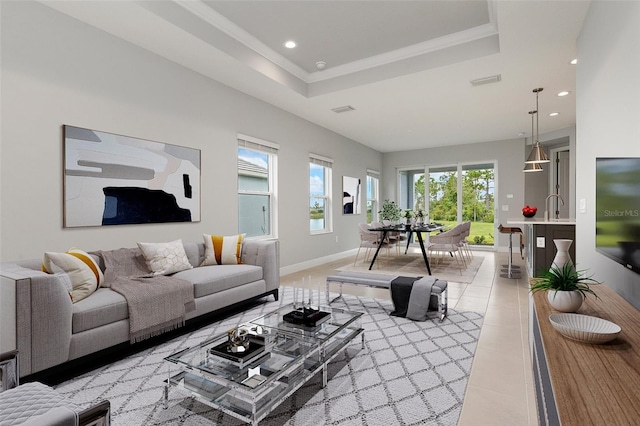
{"x": 538, "y": 239}
{"x": 540, "y": 221}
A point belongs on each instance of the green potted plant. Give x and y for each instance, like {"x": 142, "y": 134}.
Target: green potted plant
{"x": 390, "y": 211}
{"x": 566, "y": 287}
{"x": 407, "y": 215}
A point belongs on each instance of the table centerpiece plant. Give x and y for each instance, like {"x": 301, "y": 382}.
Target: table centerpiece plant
{"x": 566, "y": 287}
{"x": 390, "y": 211}
{"x": 407, "y": 214}
{"x": 421, "y": 215}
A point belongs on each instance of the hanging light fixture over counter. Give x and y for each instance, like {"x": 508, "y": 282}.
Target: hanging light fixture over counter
{"x": 537, "y": 154}
{"x": 531, "y": 167}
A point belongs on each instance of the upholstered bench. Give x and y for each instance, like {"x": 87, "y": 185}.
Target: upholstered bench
{"x": 439, "y": 289}
{"x": 38, "y": 404}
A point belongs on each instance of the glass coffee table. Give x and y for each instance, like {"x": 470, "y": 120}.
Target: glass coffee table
{"x": 281, "y": 357}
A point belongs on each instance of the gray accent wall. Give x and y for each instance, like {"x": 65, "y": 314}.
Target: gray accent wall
{"x": 57, "y": 70}
{"x": 607, "y": 111}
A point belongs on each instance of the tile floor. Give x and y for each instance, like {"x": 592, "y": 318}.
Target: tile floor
{"x": 500, "y": 390}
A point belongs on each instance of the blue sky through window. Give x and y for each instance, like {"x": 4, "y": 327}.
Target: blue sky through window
{"x": 316, "y": 180}
{"x": 254, "y": 157}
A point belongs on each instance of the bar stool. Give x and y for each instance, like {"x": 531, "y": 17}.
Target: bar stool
{"x": 512, "y": 271}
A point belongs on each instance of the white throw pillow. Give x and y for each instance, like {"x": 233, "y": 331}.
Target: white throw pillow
{"x": 77, "y": 268}
{"x": 222, "y": 250}
{"x": 165, "y": 258}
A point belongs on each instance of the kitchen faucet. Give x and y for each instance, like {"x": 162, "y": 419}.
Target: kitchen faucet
{"x": 546, "y": 205}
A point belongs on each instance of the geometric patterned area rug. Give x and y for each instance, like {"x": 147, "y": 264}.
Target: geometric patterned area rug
{"x": 412, "y": 264}
{"x": 409, "y": 373}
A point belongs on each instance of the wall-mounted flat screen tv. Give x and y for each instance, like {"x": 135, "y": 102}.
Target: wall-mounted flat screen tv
{"x": 618, "y": 210}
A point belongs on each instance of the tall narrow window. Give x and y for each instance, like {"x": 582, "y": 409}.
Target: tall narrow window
{"x": 319, "y": 194}
{"x": 257, "y": 171}
{"x": 372, "y": 195}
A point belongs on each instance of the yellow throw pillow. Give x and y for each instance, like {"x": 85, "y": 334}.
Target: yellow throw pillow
{"x": 221, "y": 250}
{"x": 82, "y": 272}
{"x": 165, "y": 258}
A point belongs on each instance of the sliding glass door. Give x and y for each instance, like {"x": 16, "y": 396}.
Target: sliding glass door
{"x": 453, "y": 194}
{"x": 443, "y": 194}
{"x": 478, "y": 191}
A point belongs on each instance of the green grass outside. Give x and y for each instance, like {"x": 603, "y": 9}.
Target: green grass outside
{"x": 478, "y": 229}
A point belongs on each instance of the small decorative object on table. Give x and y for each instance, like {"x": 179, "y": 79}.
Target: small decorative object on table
{"x": 421, "y": 215}
{"x": 567, "y": 288}
{"x": 240, "y": 351}
{"x": 585, "y": 328}
{"x": 308, "y": 317}
{"x": 529, "y": 211}
{"x": 407, "y": 215}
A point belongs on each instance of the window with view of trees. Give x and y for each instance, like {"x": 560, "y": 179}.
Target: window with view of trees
{"x": 257, "y": 165}
{"x": 455, "y": 194}
{"x": 372, "y": 195}
{"x": 319, "y": 194}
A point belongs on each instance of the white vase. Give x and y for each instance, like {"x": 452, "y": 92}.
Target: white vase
{"x": 565, "y": 301}
{"x": 562, "y": 255}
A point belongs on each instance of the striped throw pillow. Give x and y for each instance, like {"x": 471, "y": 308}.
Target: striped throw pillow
{"x": 78, "y": 268}
{"x": 222, "y": 250}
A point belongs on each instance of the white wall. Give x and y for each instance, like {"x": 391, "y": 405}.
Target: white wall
{"x": 56, "y": 70}
{"x": 508, "y": 156}
{"x": 608, "y": 125}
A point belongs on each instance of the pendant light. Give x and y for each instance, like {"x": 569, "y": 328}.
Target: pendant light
{"x": 537, "y": 154}
{"x": 531, "y": 167}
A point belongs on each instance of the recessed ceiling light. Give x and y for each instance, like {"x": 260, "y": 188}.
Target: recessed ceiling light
{"x": 563, "y": 93}
{"x": 290, "y": 44}
{"x": 574, "y": 61}
{"x": 553, "y": 114}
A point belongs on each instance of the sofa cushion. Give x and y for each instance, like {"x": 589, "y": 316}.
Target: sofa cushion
{"x": 195, "y": 253}
{"x": 105, "y": 306}
{"x": 77, "y": 268}
{"x": 222, "y": 250}
{"x": 212, "y": 279}
{"x": 165, "y": 258}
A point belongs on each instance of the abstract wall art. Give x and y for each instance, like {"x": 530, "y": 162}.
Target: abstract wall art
{"x": 350, "y": 195}
{"x": 117, "y": 180}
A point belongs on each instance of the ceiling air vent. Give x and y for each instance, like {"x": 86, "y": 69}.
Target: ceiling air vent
{"x": 341, "y": 109}
{"x": 486, "y": 80}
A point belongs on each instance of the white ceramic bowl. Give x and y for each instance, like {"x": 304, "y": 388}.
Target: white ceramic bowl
{"x": 585, "y": 328}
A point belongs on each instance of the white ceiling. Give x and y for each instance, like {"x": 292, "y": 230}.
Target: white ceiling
{"x": 405, "y": 66}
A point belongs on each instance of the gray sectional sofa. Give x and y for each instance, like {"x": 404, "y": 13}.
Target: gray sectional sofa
{"x": 50, "y": 330}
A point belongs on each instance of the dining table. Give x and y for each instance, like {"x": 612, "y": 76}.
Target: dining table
{"x": 409, "y": 230}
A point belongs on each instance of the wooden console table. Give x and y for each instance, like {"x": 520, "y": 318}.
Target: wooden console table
{"x": 580, "y": 384}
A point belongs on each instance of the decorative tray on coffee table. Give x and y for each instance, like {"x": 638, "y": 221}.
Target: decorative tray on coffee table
{"x": 240, "y": 359}
{"x": 306, "y": 317}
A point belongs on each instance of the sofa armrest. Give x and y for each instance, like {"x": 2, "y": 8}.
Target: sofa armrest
{"x": 43, "y": 312}
{"x": 264, "y": 253}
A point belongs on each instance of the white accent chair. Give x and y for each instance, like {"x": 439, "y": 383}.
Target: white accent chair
{"x": 448, "y": 242}
{"x": 397, "y": 237}
{"x": 464, "y": 244}
{"x": 369, "y": 240}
